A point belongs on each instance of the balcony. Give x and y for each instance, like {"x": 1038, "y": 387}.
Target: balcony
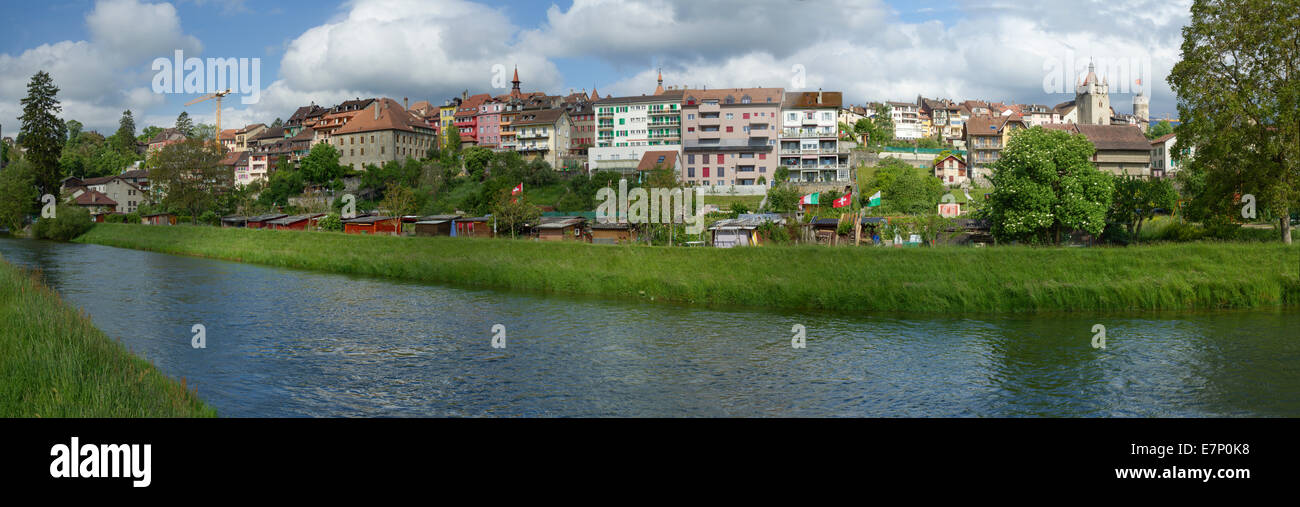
{"x": 532, "y": 135}
{"x": 665, "y": 112}
{"x": 533, "y": 149}
{"x": 807, "y": 133}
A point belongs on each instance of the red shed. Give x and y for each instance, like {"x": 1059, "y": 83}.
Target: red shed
{"x": 371, "y": 225}
{"x": 159, "y": 219}
{"x": 295, "y": 222}
{"x": 259, "y": 222}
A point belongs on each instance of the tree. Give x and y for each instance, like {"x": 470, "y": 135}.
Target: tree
{"x": 781, "y": 175}
{"x": 43, "y": 133}
{"x": 1160, "y": 129}
{"x": 18, "y": 196}
{"x": 477, "y": 159}
{"x": 399, "y": 200}
{"x": 1137, "y": 199}
{"x": 903, "y": 188}
{"x": 184, "y": 124}
{"x": 782, "y": 198}
{"x": 74, "y": 131}
{"x": 149, "y": 133}
{"x": 189, "y": 175}
{"x": 321, "y": 165}
{"x": 1238, "y": 94}
{"x": 277, "y": 123}
{"x": 1045, "y": 184}
{"x": 205, "y": 131}
{"x": 125, "y": 136}
{"x": 514, "y": 213}
{"x": 879, "y": 128}
{"x": 453, "y": 140}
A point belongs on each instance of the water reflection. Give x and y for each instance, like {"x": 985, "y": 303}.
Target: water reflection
{"x": 293, "y": 343}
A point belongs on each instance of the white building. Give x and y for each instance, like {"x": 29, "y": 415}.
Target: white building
{"x": 628, "y": 127}
{"x": 809, "y": 137}
{"x": 907, "y": 120}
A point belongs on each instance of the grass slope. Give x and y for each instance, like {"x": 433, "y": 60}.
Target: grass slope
{"x": 55, "y": 363}
{"x": 853, "y": 280}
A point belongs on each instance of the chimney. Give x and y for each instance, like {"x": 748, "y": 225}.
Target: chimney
{"x": 377, "y": 106}
{"x": 819, "y": 96}
{"x": 406, "y": 104}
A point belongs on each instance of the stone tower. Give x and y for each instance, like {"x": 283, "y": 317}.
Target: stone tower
{"x": 1142, "y": 108}
{"x": 1092, "y": 99}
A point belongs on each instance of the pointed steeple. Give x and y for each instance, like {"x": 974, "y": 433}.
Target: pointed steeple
{"x": 514, "y": 91}
{"x": 595, "y": 95}
{"x": 660, "y": 89}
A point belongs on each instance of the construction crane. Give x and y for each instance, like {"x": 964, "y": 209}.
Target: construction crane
{"x": 217, "y": 96}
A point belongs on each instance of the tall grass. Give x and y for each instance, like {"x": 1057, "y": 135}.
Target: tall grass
{"x": 55, "y": 363}
{"x": 844, "y": 279}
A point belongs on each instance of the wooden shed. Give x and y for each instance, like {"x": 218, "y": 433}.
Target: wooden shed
{"x": 158, "y": 219}
{"x": 372, "y": 225}
{"x": 234, "y": 221}
{"x": 259, "y": 222}
{"x": 473, "y": 227}
{"x": 612, "y": 233}
{"x": 295, "y": 222}
{"x": 436, "y": 225}
{"x": 560, "y": 229}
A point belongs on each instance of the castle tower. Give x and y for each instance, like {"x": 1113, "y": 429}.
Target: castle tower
{"x": 1142, "y": 108}
{"x": 1092, "y": 98}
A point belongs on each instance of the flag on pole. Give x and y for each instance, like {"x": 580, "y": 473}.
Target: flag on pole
{"x": 875, "y": 200}
{"x": 843, "y": 201}
{"x": 810, "y": 198}
{"x": 518, "y": 190}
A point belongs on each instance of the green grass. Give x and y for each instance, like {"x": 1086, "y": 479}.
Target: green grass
{"x": 841, "y": 279}
{"x": 55, "y": 363}
{"x": 725, "y": 201}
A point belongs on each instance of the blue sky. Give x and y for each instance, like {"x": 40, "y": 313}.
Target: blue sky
{"x": 100, "y": 50}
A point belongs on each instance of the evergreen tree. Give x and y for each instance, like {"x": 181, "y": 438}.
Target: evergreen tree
{"x": 43, "y": 133}
{"x": 184, "y": 124}
{"x": 126, "y": 132}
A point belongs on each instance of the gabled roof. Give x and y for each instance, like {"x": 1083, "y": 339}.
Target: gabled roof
{"x": 250, "y": 128}
{"x": 1109, "y": 137}
{"x": 984, "y": 125}
{"x": 756, "y": 96}
{"x": 93, "y": 198}
{"x": 382, "y": 114}
{"x": 651, "y": 159}
{"x": 1162, "y": 139}
{"x": 809, "y": 100}
{"x": 539, "y": 116}
{"x": 167, "y": 134}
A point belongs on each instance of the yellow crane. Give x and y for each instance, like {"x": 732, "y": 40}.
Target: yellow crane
{"x": 218, "y": 96}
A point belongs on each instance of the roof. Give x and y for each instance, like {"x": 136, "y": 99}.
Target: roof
{"x": 652, "y": 159}
{"x": 293, "y": 219}
{"x": 984, "y": 125}
{"x": 432, "y": 218}
{"x": 167, "y": 134}
{"x": 93, "y": 198}
{"x": 249, "y": 128}
{"x": 807, "y": 100}
{"x": 268, "y": 217}
{"x": 234, "y": 218}
{"x": 559, "y": 222}
{"x": 756, "y": 96}
{"x": 235, "y": 158}
{"x": 135, "y": 173}
{"x": 270, "y": 133}
{"x": 383, "y": 114}
{"x": 368, "y": 220}
{"x": 611, "y": 226}
{"x": 1162, "y": 139}
{"x": 1108, "y": 137}
{"x": 227, "y": 134}
{"x": 737, "y": 223}
{"x": 668, "y": 96}
{"x": 306, "y": 135}
{"x": 539, "y": 117}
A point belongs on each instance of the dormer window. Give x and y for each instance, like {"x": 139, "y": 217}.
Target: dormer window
{"x": 730, "y": 100}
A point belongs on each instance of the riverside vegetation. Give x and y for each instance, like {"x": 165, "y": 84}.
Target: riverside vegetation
{"x": 1206, "y": 275}
{"x": 55, "y": 363}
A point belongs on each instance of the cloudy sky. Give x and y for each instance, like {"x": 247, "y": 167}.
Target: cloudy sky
{"x": 100, "y": 52}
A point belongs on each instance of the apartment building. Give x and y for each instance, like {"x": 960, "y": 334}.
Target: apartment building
{"x": 729, "y": 136}
{"x": 245, "y": 136}
{"x": 809, "y": 138}
{"x": 1166, "y": 162}
{"x": 542, "y": 133}
{"x": 627, "y": 127}
{"x": 383, "y": 132}
{"x": 465, "y": 120}
{"x": 985, "y": 137}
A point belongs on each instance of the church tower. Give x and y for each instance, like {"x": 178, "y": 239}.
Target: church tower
{"x": 1092, "y": 98}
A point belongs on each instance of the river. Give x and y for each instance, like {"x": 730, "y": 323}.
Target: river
{"x": 288, "y": 343}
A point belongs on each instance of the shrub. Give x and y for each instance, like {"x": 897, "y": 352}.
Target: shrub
{"x": 209, "y": 218}
{"x": 132, "y": 218}
{"x": 68, "y": 223}
{"x": 185, "y": 219}
{"x": 330, "y": 222}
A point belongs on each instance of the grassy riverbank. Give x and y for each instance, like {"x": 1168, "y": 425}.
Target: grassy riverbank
{"x": 55, "y": 363}
{"x": 853, "y": 280}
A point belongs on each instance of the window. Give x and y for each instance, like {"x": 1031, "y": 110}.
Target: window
{"x": 722, "y": 158}
{"x": 730, "y": 128}
{"x": 690, "y": 172}
{"x": 744, "y": 116}
{"x": 690, "y": 159}
{"x": 762, "y": 156}
{"x": 706, "y": 172}
{"x": 722, "y": 172}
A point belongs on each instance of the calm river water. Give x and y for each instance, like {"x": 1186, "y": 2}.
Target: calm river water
{"x": 293, "y": 343}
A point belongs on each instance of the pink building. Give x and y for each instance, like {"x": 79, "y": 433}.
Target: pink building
{"x": 489, "y": 123}
{"x": 729, "y": 136}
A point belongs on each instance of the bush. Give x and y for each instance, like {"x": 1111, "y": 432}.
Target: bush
{"x": 185, "y": 219}
{"x": 132, "y": 218}
{"x": 209, "y": 218}
{"x": 68, "y": 223}
{"x": 330, "y": 222}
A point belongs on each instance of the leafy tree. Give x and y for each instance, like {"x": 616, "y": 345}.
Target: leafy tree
{"x": 1239, "y": 102}
{"x": 476, "y": 161}
{"x": 149, "y": 133}
{"x": 321, "y": 165}
{"x": 879, "y": 128}
{"x": 189, "y": 176}
{"x": 1045, "y": 184}
{"x": 42, "y": 133}
{"x": 125, "y": 136}
{"x": 184, "y": 124}
{"x": 782, "y": 198}
{"x": 399, "y": 200}
{"x": 453, "y": 140}
{"x": 781, "y": 175}
{"x": 18, "y": 196}
{"x": 1137, "y": 199}
{"x": 1160, "y": 129}
{"x": 74, "y": 130}
{"x": 903, "y": 188}
{"x": 205, "y": 131}
{"x": 283, "y": 184}
{"x": 514, "y": 213}
{"x": 330, "y": 223}
{"x": 277, "y": 123}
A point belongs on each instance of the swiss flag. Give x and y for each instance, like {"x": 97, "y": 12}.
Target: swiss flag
{"x": 842, "y": 201}
{"x": 518, "y": 190}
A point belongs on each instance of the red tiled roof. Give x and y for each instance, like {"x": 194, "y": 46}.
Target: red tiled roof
{"x": 93, "y": 198}
{"x": 652, "y": 159}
